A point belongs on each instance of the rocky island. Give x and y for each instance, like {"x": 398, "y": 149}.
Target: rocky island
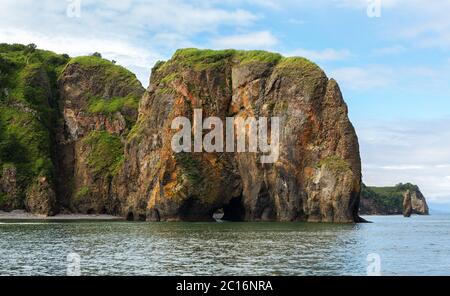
{"x": 81, "y": 135}
{"x": 402, "y": 199}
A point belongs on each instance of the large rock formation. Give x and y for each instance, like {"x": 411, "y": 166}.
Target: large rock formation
{"x": 96, "y": 154}
{"x": 316, "y": 177}
{"x": 98, "y": 107}
{"x": 62, "y": 127}
{"x": 28, "y": 100}
{"x": 402, "y": 199}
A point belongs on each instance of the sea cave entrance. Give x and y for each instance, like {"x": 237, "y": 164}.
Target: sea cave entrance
{"x": 234, "y": 211}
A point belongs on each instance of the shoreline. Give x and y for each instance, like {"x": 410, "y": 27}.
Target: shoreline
{"x": 22, "y": 215}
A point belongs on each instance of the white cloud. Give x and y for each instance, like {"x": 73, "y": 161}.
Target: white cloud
{"x": 325, "y": 55}
{"x": 172, "y": 40}
{"x": 137, "y": 59}
{"x": 254, "y": 40}
{"x": 407, "y": 151}
{"x": 401, "y": 167}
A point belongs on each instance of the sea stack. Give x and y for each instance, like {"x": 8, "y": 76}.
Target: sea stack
{"x": 316, "y": 178}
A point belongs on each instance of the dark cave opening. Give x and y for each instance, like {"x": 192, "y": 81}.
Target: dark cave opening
{"x": 234, "y": 211}
{"x": 130, "y": 216}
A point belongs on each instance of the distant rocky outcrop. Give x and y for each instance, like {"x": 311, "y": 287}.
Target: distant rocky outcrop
{"x": 402, "y": 199}
{"x": 73, "y": 139}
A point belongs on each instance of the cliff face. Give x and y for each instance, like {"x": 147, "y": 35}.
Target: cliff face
{"x": 28, "y": 99}
{"x": 403, "y": 199}
{"x": 103, "y": 156}
{"x": 318, "y": 172}
{"x": 98, "y": 107}
{"x": 62, "y": 123}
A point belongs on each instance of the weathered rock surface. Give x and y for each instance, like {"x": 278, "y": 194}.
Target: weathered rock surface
{"x": 41, "y": 198}
{"x": 90, "y": 150}
{"x": 98, "y": 102}
{"x": 407, "y": 204}
{"x": 9, "y": 188}
{"x": 402, "y": 199}
{"x": 317, "y": 176}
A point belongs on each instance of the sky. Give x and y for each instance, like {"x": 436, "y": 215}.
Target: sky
{"x": 390, "y": 57}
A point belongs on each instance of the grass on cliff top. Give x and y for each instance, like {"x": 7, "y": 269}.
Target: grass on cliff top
{"x": 201, "y": 59}
{"x": 258, "y": 56}
{"x": 21, "y": 55}
{"x": 21, "y": 66}
{"x": 292, "y": 66}
{"x": 110, "y": 70}
{"x": 388, "y": 197}
{"x": 106, "y": 153}
{"x": 301, "y": 70}
{"x": 394, "y": 191}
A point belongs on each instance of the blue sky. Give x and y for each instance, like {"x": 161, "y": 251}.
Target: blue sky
{"x": 394, "y": 70}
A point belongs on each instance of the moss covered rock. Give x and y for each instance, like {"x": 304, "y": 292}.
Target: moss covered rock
{"x": 62, "y": 121}
{"x": 99, "y": 107}
{"x": 28, "y": 113}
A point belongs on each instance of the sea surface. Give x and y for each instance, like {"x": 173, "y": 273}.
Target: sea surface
{"x": 397, "y": 246}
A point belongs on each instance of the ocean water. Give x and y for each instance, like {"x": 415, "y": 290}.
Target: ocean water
{"x": 416, "y": 246}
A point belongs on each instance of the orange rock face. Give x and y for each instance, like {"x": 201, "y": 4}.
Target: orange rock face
{"x": 316, "y": 177}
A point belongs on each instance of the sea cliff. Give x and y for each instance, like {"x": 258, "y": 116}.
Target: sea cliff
{"x": 81, "y": 135}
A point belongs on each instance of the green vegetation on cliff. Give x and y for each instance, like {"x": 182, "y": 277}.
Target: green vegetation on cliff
{"x": 192, "y": 168}
{"x": 384, "y": 200}
{"x": 202, "y": 59}
{"x": 111, "y": 73}
{"x": 114, "y": 88}
{"x": 111, "y": 106}
{"x": 28, "y": 100}
{"x": 106, "y": 153}
{"x": 30, "y": 112}
{"x": 258, "y": 56}
{"x": 334, "y": 163}
{"x": 305, "y": 72}
{"x": 82, "y": 193}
